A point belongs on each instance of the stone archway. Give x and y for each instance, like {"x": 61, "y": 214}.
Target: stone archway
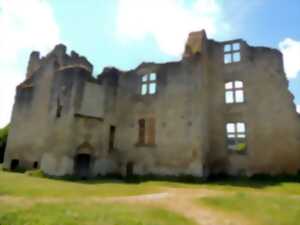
{"x": 82, "y": 165}
{"x": 14, "y": 164}
{"x": 83, "y": 161}
{"x": 129, "y": 169}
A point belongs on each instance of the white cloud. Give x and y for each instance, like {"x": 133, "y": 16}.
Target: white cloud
{"x": 291, "y": 55}
{"x": 24, "y": 26}
{"x": 168, "y": 21}
{"x": 298, "y": 108}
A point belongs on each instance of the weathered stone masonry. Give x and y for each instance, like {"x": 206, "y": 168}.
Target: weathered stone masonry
{"x": 224, "y": 108}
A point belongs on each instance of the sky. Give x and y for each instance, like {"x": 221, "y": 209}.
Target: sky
{"x": 124, "y": 33}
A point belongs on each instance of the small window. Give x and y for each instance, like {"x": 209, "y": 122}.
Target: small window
{"x": 58, "y": 108}
{"x": 149, "y": 85}
{"x": 144, "y": 89}
{"x": 111, "y": 142}
{"x": 227, "y": 58}
{"x": 232, "y": 53}
{"x": 227, "y": 48}
{"x": 236, "y": 46}
{"x": 236, "y": 57}
{"x": 236, "y": 137}
{"x": 145, "y": 78}
{"x": 146, "y": 131}
{"x": 152, "y": 76}
{"x": 234, "y": 92}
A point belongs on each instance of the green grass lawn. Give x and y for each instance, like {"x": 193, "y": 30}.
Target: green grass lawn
{"x": 33, "y": 200}
{"x": 18, "y": 184}
{"x": 269, "y": 208}
{"x": 42, "y": 201}
{"x": 88, "y": 214}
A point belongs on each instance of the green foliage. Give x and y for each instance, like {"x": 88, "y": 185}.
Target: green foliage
{"x": 4, "y": 134}
{"x": 3, "y": 140}
{"x": 35, "y": 173}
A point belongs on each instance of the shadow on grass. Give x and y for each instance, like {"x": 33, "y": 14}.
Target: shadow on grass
{"x": 256, "y": 181}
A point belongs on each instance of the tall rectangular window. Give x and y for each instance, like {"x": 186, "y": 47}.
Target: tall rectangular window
{"x": 112, "y": 131}
{"x": 234, "y": 92}
{"x": 146, "y": 131}
{"x": 236, "y": 137}
{"x": 149, "y": 85}
{"x": 232, "y": 53}
{"x": 142, "y": 126}
{"x": 58, "y": 108}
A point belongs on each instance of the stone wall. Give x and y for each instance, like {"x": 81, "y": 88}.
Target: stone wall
{"x": 62, "y": 112}
{"x": 268, "y": 111}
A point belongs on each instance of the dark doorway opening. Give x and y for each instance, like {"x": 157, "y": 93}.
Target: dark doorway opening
{"x": 35, "y": 165}
{"x": 14, "y": 164}
{"x": 2, "y": 149}
{"x": 129, "y": 169}
{"x": 112, "y": 132}
{"x": 82, "y": 165}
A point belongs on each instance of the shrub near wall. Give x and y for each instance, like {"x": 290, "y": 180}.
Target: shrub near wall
{"x": 3, "y": 139}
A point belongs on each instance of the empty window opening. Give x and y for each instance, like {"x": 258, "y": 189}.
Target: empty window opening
{"x": 35, "y": 165}
{"x": 58, "y": 108}
{"x": 82, "y": 165}
{"x": 147, "y": 131}
{"x": 149, "y": 85}
{"x": 234, "y": 92}
{"x": 14, "y": 164}
{"x": 232, "y": 53}
{"x": 236, "y": 137}
{"x": 142, "y": 132}
{"x": 112, "y": 131}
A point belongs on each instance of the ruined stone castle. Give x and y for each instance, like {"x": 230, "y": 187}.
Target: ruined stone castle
{"x": 224, "y": 108}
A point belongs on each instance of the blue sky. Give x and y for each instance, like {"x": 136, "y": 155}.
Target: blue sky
{"x": 124, "y": 33}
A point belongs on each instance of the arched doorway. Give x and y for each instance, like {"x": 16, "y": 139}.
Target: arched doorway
{"x": 14, "y": 164}
{"x": 82, "y": 164}
{"x": 129, "y": 169}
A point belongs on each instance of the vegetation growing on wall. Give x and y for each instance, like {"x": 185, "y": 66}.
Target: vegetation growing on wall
{"x": 3, "y": 140}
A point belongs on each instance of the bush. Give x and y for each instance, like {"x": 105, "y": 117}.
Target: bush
{"x": 35, "y": 173}
{"x": 3, "y": 140}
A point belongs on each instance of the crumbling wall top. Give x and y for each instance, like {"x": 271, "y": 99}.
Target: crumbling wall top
{"x": 63, "y": 60}
{"x": 195, "y": 43}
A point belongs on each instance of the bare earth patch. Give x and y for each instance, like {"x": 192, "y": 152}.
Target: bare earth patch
{"x": 182, "y": 201}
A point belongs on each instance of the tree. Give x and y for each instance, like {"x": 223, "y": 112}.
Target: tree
{"x": 3, "y": 140}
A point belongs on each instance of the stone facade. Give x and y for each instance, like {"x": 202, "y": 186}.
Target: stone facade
{"x": 224, "y": 108}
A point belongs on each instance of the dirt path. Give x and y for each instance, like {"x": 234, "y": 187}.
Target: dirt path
{"x": 182, "y": 201}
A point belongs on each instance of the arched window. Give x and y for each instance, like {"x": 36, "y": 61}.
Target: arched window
{"x": 234, "y": 92}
